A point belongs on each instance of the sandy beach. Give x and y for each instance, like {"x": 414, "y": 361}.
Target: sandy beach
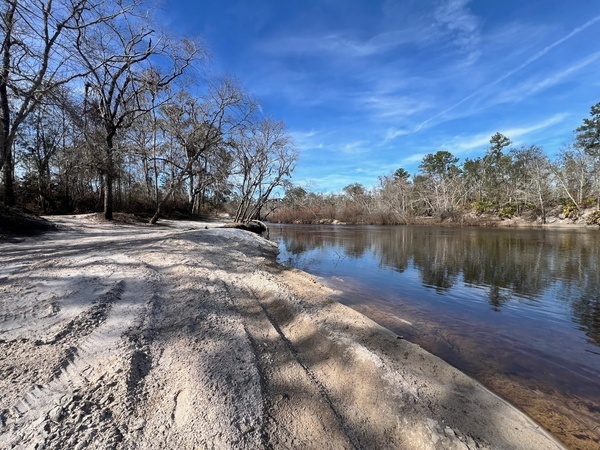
{"x": 189, "y": 336}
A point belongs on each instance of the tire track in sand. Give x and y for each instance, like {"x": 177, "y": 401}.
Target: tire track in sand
{"x": 95, "y": 354}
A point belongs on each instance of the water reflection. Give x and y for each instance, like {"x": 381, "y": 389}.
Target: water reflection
{"x": 586, "y": 311}
{"x": 526, "y": 267}
{"x": 518, "y": 310}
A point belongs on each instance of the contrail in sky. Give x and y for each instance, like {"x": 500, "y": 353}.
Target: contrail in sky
{"x": 530, "y": 60}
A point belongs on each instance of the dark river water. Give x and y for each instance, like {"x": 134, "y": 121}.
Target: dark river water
{"x": 518, "y": 310}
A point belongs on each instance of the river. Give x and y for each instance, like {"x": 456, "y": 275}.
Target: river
{"x": 517, "y": 309}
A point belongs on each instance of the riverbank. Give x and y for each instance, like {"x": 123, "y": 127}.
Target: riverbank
{"x": 587, "y": 218}
{"x": 187, "y": 336}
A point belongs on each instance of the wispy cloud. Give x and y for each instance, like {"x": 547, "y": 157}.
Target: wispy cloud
{"x": 394, "y": 106}
{"x": 459, "y": 27}
{"x": 393, "y": 133}
{"x": 367, "y": 87}
{"x": 462, "y": 144}
{"x": 522, "y": 132}
{"x": 355, "y": 148}
{"x": 512, "y": 72}
{"x": 339, "y": 44}
{"x": 307, "y": 140}
{"x": 348, "y": 47}
{"x": 532, "y": 87}
{"x": 412, "y": 159}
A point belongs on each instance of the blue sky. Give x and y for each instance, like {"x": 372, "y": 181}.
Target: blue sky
{"x": 366, "y": 87}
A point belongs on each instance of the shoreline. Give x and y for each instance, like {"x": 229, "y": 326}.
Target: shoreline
{"x": 184, "y": 337}
{"x": 471, "y": 221}
{"x": 559, "y": 412}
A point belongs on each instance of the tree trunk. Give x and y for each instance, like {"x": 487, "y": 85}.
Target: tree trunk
{"x": 7, "y": 171}
{"x": 175, "y": 182}
{"x": 41, "y": 187}
{"x": 191, "y": 190}
{"x": 108, "y": 195}
{"x": 6, "y": 162}
{"x": 542, "y": 206}
{"x": 119, "y": 190}
{"x": 147, "y": 178}
{"x": 108, "y": 179}
{"x": 157, "y": 213}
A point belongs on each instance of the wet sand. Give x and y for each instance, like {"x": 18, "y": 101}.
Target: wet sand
{"x": 571, "y": 416}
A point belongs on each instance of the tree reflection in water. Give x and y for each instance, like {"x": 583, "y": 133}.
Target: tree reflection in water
{"x": 524, "y": 266}
{"x": 519, "y": 310}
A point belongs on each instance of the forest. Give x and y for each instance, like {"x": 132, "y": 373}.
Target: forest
{"x": 102, "y": 111}
{"x": 506, "y": 182}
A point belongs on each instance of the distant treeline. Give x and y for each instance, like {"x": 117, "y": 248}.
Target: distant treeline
{"x": 508, "y": 181}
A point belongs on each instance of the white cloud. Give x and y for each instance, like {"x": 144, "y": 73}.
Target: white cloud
{"x": 521, "y": 132}
{"x": 393, "y": 133}
{"x": 332, "y": 183}
{"x": 305, "y": 139}
{"x": 355, "y": 148}
{"x": 394, "y": 106}
{"x": 532, "y": 87}
{"x": 412, "y": 159}
{"x": 462, "y": 144}
{"x": 486, "y": 88}
{"x": 340, "y": 44}
{"x": 460, "y": 26}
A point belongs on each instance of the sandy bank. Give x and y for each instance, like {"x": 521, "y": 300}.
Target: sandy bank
{"x": 177, "y": 336}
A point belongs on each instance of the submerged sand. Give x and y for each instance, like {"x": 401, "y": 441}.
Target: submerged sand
{"x": 187, "y": 336}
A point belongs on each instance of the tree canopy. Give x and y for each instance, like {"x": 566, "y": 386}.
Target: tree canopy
{"x": 587, "y": 136}
{"x": 100, "y": 111}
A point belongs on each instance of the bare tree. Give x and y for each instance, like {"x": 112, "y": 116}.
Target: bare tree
{"x": 439, "y": 185}
{"x": 394, "y": 194}
{"x": 220, "y": 114}
{"x": 37, "y": 57}
{"x": 140, "y": 137}
{"x": 265, "y": 157}
{"x": 184, "y": 119}
{"x": 39, "y": 140}
{"x": 574, "y": 172}
{"x": 124, "y": 60}
{"x": 536, "y": 169}
{"x": 357, "y": 202}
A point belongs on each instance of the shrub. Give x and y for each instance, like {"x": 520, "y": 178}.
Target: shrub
{"x": 589, "y": 202}
{"x": 571, "y": 211}
{"x": 450, "y": 216}
{"x": 482, "y": 207}
{"x": 594, "y": 218}
{"x": 507, "y": 212}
